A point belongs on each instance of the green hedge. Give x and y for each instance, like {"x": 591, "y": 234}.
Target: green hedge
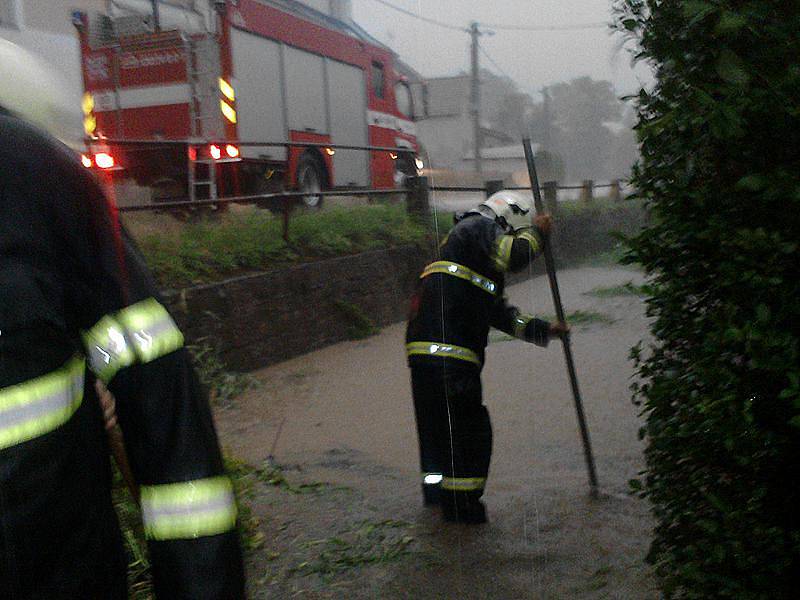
{"x": 720, "y": 386}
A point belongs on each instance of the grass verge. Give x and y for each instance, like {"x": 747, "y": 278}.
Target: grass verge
{"x": 247, "y": 242}
{"x": 222, "y": 385}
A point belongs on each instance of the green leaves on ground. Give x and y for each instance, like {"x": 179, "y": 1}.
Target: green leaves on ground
{"x": 357, "y": 545}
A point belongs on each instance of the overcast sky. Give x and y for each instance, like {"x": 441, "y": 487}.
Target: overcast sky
{"x": 532, "y": 59}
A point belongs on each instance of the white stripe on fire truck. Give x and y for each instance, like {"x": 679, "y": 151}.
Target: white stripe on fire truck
{"x": 146, "y": 96}
{"x": 386, "y": 121}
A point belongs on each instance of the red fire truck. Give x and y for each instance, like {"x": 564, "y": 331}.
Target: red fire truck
{"x": 200, "y": 103}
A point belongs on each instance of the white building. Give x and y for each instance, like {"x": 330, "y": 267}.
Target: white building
{"x": 447, "y": 132}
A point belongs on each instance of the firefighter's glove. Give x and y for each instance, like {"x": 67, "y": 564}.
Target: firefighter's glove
{"x": 544, "y": 223}
{"x": 559, "y": 330}
{"x": 108, "y": 404}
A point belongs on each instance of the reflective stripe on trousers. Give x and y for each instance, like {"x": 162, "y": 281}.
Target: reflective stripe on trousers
{"x": 444, "y": 350}
{"x": 41, "y": 405}
{"x": 143, "y": 331}
{"x": 447, "y": 267}
{"x": 189, "y": 509}
{"x": 463, "y": 484}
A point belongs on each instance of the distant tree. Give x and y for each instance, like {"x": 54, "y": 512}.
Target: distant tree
{"x": 513, "y": 115}
{"x": 580, "y": 109}
{"x": 624, "y": 151}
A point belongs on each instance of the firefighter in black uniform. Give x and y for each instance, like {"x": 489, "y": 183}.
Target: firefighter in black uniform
{"x": 458, "y": 298}
{"x": 77, "y": 305}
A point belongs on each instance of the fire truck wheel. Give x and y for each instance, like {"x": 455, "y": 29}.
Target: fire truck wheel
{"x": 311, "y": 178}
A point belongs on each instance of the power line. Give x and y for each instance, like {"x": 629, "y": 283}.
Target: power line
{"x": 500, "y": 26}
{"x": 575, "y": 27}
{"x": 496, "y": 66}
{"x": 420, "y": 17}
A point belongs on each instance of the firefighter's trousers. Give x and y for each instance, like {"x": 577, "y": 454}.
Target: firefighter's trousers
{"x": 455, "y": 437}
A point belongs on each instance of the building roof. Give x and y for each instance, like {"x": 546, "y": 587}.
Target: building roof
{"x": 512, "y": 151}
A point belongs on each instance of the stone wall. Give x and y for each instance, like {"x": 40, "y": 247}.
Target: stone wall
{"x": 261, "y": 319}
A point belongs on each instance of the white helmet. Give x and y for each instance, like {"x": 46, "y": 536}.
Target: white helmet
{"x": 511, "y": 209}
{"x": 31, "y": 90}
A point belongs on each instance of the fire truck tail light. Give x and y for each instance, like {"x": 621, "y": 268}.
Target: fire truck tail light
{"x": 104, "y": 160}
{"x": 232, "y": 151}
{"x": 215, "y": 152}
{"x": 86, "y": 161}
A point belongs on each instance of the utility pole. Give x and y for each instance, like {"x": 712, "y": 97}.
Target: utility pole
{"x": 547, "y": 142}
{"x": 475, "y": 99}
{"x": 156, "y": 16}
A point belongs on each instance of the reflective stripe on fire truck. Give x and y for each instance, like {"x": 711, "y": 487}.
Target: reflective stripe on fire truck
{"x": 226, "y": 103}
{"x": 89, "y": 120}
{"x": 456, "y": 270}
{"x": 443, "y": 350}
{"x": 144, "y": 331}
{"x": 143, "y": 97}
{"x": 227, "y": 89}
{"x": 39, "y": 406}
{"x": 189, "y": 509}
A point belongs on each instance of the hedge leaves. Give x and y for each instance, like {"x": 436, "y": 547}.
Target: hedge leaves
{"x": 720, "y": 385}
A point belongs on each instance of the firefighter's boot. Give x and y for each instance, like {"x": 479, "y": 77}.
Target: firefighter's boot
{"x": 463, "y": 508}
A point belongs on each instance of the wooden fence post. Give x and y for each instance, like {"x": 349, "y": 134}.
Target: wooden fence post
{"x": 493, "y": 186}
{"x": 587, "y": 191}
{"x": 551, "y": 197}
{"x": 417, "y": 197}
{"x": 615, "y": 193}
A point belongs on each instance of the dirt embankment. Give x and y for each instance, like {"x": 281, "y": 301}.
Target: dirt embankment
{"x": 337, "y": 494}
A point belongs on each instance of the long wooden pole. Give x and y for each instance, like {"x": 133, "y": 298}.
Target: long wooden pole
{"x": 551, "y": 274}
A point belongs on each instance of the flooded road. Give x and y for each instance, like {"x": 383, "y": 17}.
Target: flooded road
{"x": 341, "y": 512}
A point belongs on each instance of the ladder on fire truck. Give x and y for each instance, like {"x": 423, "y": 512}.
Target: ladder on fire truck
{"x": 202, "y": 72}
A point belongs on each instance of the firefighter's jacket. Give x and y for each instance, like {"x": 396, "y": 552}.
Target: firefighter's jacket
{"x": 76, "y": 303}
{"x": 460, "y": 296}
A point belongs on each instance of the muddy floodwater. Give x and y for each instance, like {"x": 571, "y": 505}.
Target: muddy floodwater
{"x": 338, "y": 501}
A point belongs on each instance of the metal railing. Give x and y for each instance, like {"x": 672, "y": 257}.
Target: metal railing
{"x": 416, "y": 191}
